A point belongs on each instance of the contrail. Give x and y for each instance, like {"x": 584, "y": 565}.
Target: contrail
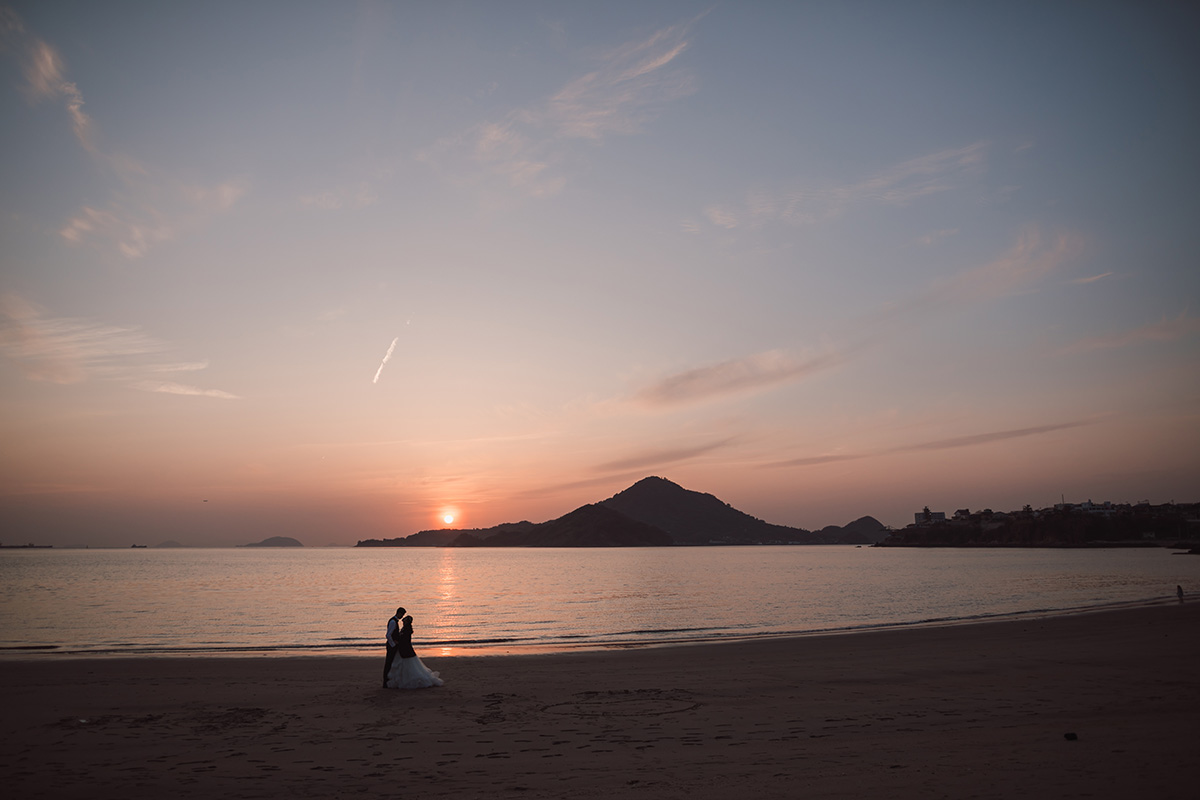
{"x": 386, "y": 356}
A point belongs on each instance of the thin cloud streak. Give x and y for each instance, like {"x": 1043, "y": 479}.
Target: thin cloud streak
{"x": 898, "y": 185}
{"x": 67, "y": 350}
{"x": 985, "y": 438}
{"x": 1022, "y": 267}
{"x": 662, "y": 457}
{"x": 615, "y": 480}
{"x": 182, "y": 389}
{"x": 818, "y": 460}
{"x": 1027, "y": 263}
{"x": 755, "y": 372}
{"x": 186, "y": 366}
{"x": 1166, "y": 330}
{"x": 1092, "y": 278}
{"x": 951, "y": 443}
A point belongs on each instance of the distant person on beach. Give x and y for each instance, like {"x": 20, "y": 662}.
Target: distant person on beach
{"x": 407, "y": 671}
{"x": 391, "y": 642}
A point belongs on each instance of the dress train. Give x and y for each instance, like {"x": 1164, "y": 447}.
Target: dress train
{"x": 410, "y": 673}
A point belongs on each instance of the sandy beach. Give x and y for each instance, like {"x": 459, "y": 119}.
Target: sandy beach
{"x": 1103, "y": 705}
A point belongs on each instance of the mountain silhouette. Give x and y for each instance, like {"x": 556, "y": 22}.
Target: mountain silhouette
{"x": 587, "y": 526}
{"x": 864, "y": 530}
{"x": 654, "y": 512}
{"x": 698, "y": 518}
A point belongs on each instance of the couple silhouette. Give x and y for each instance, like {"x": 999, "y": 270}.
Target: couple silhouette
{"x": 402, "y": 669}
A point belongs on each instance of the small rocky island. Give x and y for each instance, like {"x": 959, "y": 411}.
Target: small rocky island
{"x": 276, "y": 541}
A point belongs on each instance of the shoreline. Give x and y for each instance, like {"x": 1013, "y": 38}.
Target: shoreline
{"x": 975, "y": 709}
{"x": 500, "y": 648}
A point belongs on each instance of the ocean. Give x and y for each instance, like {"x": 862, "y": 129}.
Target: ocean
{"x": 219, "y": 602}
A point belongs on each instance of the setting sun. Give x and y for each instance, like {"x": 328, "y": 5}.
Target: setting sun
{"x": 446, "y": 514}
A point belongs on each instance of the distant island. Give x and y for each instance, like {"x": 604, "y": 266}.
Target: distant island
{"x": 654, "y": 512}
{"x": 276, "y": 541}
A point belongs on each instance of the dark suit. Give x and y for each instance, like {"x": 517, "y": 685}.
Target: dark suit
{"x": 393, "y": 632}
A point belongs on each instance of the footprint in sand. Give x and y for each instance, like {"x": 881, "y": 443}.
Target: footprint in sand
{"x": 629, "y": 703}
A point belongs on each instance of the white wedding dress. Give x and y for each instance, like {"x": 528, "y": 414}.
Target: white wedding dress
{"x": 407, "y": 671}
{"x": 410, "y": 673}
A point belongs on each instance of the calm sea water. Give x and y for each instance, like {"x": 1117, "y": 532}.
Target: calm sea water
{"x": 255, "y": 601}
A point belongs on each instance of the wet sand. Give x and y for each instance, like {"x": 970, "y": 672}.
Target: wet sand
{"x": 1104, "y": 705}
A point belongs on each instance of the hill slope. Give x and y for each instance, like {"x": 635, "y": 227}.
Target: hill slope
{"x": 586, "y": 526}
{"x": 698, "y": 518}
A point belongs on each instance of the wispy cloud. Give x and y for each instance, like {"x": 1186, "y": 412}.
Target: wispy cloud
{"x": 44, "y": 73}
{"x": 70, "y": 350}
{"x": 616, "y": 481}
{"x": 183, "y": 366}
{"x": 897, "y": 185}
{"x": 1029, "y": 261}
{"x": 930, "y": 239}
{"x": 1021, "y": 268}
{"x": 65, "y": 350}
{"x": 353, "y": 197}
{"x": 951, "y": 443}
{"x": 656, "y": 458}
{"x": 755, "y": 372}
{"x": 628, "y": 87}
{"x": 1092, "y": 278}
{"x": 1165, "y": 330}
{"x": 167, "y": 387}
{"x": 985, "y": 438}
{"x": 150, "y": 212}
{"x": 150, "y": 207}
{"x": 132, "y": 233}
{"x": 523, "y": 161}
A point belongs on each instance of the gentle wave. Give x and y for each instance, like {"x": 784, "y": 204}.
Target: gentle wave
{"x": 654, "y": 637}
{"x": 468, "y": 601}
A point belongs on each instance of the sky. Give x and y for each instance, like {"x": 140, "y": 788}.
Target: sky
{"x": 337, "y": 271}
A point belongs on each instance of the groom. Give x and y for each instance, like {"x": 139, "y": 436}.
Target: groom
{"x": 393, "y": 634}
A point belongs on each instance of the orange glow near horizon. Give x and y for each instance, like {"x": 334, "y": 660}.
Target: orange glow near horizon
{"x": 448, "y": 515}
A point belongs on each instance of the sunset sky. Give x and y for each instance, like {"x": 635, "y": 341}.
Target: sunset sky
{"x": 338, "y": 270}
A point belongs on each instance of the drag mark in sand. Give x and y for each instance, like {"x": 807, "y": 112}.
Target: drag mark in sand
{"x": 628, "y": 703}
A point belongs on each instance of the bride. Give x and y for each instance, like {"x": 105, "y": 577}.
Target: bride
{"x": 407, "y": 671}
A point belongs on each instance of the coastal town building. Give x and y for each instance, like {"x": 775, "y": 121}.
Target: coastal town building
{"x": 927, "y": 517}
